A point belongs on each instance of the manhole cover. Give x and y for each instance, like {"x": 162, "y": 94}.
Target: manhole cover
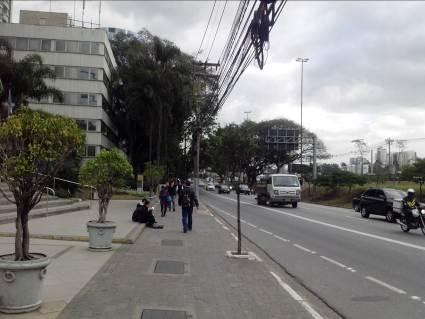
{"x": 164, "y": 314}
{"x": 169, "y": 267}
{"x": 170, "y": 242}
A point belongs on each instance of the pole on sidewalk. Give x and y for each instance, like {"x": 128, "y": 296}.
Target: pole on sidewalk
{"x": 238, "y": 194}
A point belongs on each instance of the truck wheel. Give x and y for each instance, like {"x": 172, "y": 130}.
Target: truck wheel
{"x": 390, "y": 216}
{"x": 364, "y": 213}
{"x": 294, "y": 205}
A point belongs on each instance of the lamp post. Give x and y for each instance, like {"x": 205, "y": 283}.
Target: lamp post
{"x": 302, "y": 60}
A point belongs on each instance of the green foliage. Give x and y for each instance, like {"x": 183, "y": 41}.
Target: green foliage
{"x": 153, "y": 174}
{"x": 340, "y": 179}
{"x": 417, "y": 169}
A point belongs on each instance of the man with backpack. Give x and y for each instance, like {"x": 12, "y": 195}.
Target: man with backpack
{"x": 187, "y": 199}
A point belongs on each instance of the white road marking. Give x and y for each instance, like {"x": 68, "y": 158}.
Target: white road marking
{"x": 281, "y": 238}
{"x": 351, "y": 269}
{"x": 225, "y": 227}
{"x": 252, "y": 225}
{"x": 384, "y": 284}
{"x": 333, "y": 261}
{"x": 302, "y": 248}
{"x": 297, "y": 297}
{"x": 256, "y": 257}
{"x": 416, "y": 298}
{"x": 218, "y": 220}
{"x": 389, "y": 240}
{"x": 265, "y": 231}
{"x": 234, "y": 236}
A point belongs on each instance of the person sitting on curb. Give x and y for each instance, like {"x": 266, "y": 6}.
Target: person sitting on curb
{"x": 144, "y": 215}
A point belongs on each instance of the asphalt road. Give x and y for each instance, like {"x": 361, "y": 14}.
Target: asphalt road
{"x": 363, "y": 268}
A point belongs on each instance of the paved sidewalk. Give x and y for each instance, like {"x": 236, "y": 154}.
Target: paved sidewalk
{"x": 167, "y": 274}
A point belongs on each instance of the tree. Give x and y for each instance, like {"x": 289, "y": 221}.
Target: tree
{"x": 153, "y": 173}
{"x": 339, "y": 179}
{"x": 107, "y": 170}
{"x": 417, "y": 169}
{"x": 33, "y": 146}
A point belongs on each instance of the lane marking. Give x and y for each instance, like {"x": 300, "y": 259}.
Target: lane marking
{"x": 297, "y": 297}
{"x": 302, "y": 248}
{"x": 218, "y": 220}
{"x": 234, "y": 236}
{"x": 384, "y": 284}
{"x": 252, "y": 225}
{"x": 265, "y": 231}
{"x": 281, "y": 238}
{"x": 256, "y": 256}
{"x": 351, "y": 269}
{"x": 333, "y": 261}
{"x": 225, "y": 227}
{"x": 315, "y": 221}
{"x": 416, "y": 298}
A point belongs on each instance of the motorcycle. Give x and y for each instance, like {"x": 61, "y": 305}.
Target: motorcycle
{"x": 417, "y": 220}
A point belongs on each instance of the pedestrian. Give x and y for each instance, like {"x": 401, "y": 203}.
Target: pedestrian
{"x": 163, "y": 200}
{"x": 143, "y": 214}
{"x": 187, "y": 199}
{"x": 172, "y": 191}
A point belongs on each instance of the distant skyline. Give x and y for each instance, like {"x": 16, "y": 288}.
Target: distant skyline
{"x": 364, "y": 79}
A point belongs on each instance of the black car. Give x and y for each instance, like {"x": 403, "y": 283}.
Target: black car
{"x": 224, "y": 189}
{"x": 378, "y": 201}
{"x": 244, "y": 189}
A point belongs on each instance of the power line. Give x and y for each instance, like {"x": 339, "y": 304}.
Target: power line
{"x": 216, "y": 31}
{"x": 205, "y": 32}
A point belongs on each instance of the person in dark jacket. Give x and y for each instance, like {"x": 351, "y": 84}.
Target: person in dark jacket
{"x": 163, "y": 200}
{"x": 144, "y": 215}
{"x": 172, "y": 191}
{"x": 409, "y": 203}
{"x": 187, "y": 199}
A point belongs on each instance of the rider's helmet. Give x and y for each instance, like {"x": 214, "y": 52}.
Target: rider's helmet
{"x": 410, "y": 192}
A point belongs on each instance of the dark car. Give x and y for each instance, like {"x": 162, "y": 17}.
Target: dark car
{"x": 244, "y": 189}
{"x": 225, "y": 189}
{"x": 378, "y": 201}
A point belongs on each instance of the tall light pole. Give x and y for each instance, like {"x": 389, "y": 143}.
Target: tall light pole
{"x": 247, "y": 113}
{"x": 302, "y": 60}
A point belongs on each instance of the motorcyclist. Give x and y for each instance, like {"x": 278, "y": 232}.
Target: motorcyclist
{"x": 409, "y": 203}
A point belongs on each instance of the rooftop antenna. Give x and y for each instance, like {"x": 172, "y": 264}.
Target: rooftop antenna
{"x": 82, "y": 17}
{"x": 100, "y": 10}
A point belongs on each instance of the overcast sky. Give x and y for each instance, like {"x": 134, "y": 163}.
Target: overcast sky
{"x": 365, "y": 77}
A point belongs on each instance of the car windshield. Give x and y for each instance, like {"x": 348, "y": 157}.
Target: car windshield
{"x": 285, "y": 181}
{"x": 225, "y": 186}
{"x": 244, "y": 187}
{"x": 394, "y": 193}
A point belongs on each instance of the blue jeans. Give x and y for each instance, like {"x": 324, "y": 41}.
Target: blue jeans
{"x": 187, "y": 218}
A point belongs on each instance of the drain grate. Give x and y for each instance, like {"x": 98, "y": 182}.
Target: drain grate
{"x": 169, "y": 267}
{"x": 164, "y": 314}
{"x": 170, "y": 242}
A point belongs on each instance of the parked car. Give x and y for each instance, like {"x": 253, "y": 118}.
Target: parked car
{"x": 378, "y": 201}
{"x": 201, "y": 183}
{"x": 244, "y": 189}
{"x": 210, "y": 187}
{"x": 224, "y": 189}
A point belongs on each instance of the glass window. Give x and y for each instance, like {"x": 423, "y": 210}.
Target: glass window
{"x": 12, "y": 42}
{"x": 83, "y": 73}
{"x": 60, "y": 45}
{"x": 34, "y": 44}
{"x": 95, "y": 48}
{"x": 85, "y": 47}
{"x": 72, "y": 46}
{"x": 93, "y": 99}
{"x": 93, "y": 74}
{"x": 60, "y": 71}
{"x": 21, "y": 44}
{"x": 71, "y": 72}
{"x": 91, "y": 150}
{"x": 285, "y": 181}
{"x": 103, "y": 128}
{"x": 92, "y": 125}
{"x": 82, "y": 124}
{"x": 46, "y": 45}
{"x": 84, "y": 99}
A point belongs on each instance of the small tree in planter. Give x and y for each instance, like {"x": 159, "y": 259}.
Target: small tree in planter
{"x": 107, "y": 170}
{"x": 33, "y": 147}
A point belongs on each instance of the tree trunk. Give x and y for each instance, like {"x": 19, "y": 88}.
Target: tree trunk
{"x": 22, "y": 237}
{"x": 19, "y": 253}
{"x": 159, "y": 140}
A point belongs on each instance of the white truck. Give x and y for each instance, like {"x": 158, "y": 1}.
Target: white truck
{"x": 280, "y": 189}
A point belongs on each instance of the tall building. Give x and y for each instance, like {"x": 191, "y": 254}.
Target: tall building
{"x": 82, "y": 59}
{"x": 404, "y": 158}
{"x": 381, "y": 155}
{"x": 5, "y": 11}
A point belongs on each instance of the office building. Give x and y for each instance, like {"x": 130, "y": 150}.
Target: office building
{"x": 82, "y": 59}
{"x": 5, "y": 11}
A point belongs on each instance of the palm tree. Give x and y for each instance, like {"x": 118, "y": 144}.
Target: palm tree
{"x": 24, "y": 79}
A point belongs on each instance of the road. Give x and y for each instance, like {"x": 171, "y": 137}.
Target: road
{"x": 363, "y": 268}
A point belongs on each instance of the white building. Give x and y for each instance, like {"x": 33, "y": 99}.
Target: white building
{"x": 382, "y": 156}
{"x": 5, "y": 11}
{"x": 404, "y": 158}
{"x": 82, "y": 59}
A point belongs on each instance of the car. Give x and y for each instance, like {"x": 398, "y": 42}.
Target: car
{"x": 224, "y": 189}
{"x": 244, "y": 189}
{"x": 378, "y": 201}
{"x": 210, "y": 187}
{"x": 201, "y": 183}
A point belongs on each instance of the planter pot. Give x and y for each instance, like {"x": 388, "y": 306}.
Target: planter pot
{"x": 100, "y": 235}
{"x": 21, "y": 283}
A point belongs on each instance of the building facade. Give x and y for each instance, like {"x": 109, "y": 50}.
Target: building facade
{"x": 83, "y": 61}
{"x": 5, "y": 11}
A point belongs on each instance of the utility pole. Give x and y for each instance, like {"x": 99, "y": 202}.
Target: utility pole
{"x": 371, "y": 161}
{"x": 247, "y": 112}
{"x": 302, "y": 60}
{"x": 390, "y": 142}
{"x": 314, "y": 158}
{"x": 361, "y": 148}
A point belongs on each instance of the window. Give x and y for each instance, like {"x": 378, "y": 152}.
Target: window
{"x": 95, "y": 48}
{"x": 370, "y": 192}
{"x": 34, "y": 44}
{"x": 84, "y": 74}
{"x": 85, "y": 47}
{"x": 84, "y": 99}
{"x": 93, "y": 74}
{"x": 93, "y": 99}
{"x": 46, "y": 45}
{"x": 71, "y": 72}
{"x": 72, "y": 46}
{"x": 92, "y": 125}
{"x": 82, "y": 124}
{"x": 12, "y": 42}
{"x": 60, "y": 71}
{"x": 60, "y": 45}
{"x": 91, "y": 151}
{"x": 285, "y": 181}
{"x": 21, "y": 44}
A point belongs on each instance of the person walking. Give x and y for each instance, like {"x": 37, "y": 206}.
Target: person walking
{"x": 187, "y": 199}
{"x": 163, "y": 200}
{"x": 172, "y": 191}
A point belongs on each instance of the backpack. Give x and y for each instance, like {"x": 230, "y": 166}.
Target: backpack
{"x": 186, "y": 199}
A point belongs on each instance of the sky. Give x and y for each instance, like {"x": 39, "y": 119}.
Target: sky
{"x": 365, "y": 78}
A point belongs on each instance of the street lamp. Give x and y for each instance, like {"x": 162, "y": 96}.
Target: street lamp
{"x": 302, "y": 60}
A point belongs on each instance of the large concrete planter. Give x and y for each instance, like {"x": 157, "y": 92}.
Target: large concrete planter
{"x": 100, "y": 235}
{"x": 21, "y": 283}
